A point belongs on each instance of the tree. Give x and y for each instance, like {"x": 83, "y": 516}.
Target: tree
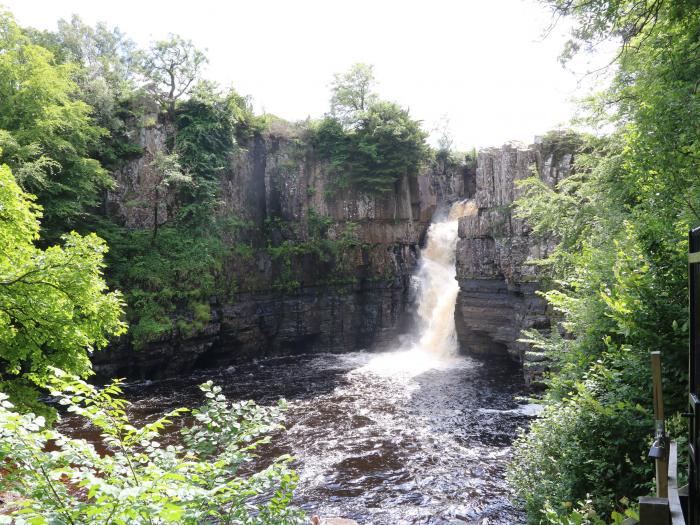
{"x": 105, "y": 56}
{"x": 384, "y": 145}
{"x": 171, "y": 68}
{"x": 55, "y": 308}
{"x": 621, "y": 265}
{"x": 445, "y": 138}
{"x": 206, "y": 125}
{"x": 352, "y": 94}
{"x": 104, "y": 66}
{"x": 388, "y": 145}
{"x": 166, "y": 173}
{"x": 598, "y": 20}
{"x": 46, "y": 134}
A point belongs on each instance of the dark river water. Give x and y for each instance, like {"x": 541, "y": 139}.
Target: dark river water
{"x": 383, "y": 438}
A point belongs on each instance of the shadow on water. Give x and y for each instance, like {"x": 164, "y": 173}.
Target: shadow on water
{"x": 263, "y": 381}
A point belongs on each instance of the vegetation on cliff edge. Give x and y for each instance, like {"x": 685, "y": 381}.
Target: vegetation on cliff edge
{"x": 621, "y": 222}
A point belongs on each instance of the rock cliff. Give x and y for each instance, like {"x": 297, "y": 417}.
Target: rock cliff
{"x": 337, "y": 277}
{"x": 343, "y": 286}
{"x": 495, "y": 253}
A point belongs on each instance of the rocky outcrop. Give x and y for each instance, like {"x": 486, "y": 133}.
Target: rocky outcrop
{"x": 495, "y": 253}
{"x": 277, "y": 189}
{"x": 451, "y": 179}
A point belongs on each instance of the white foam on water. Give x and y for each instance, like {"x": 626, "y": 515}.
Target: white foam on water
{"x": 435, "y": 344}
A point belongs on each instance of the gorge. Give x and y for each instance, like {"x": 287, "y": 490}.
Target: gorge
{"x": 357, "y": 295}
{"x": 418, "y": 430}
{"x": 212, "y": 315}
{"x": 413, "y": 434}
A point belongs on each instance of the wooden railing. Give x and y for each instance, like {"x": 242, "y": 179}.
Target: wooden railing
{"x": 664, "y": 510}
{"x": 670, "y": 501}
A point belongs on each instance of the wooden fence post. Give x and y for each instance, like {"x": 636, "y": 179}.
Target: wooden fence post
{"x": 660, "y": 433}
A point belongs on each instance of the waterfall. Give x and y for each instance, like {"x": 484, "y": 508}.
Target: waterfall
{"x": 434, "y": 342}
{"x": 437, "y": 285}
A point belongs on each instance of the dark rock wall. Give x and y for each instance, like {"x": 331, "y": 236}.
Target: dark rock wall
{"x": 495, "y": 255}
{"x": 358, "y": 300}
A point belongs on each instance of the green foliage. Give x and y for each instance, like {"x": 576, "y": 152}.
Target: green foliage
{"x": 385, "y": 145}
{"x": 324, "y": 245}
{"x": 445, "y": 140}
{"x": 46, "y": 134}
{"x": 591, "y": 443}
{"x": 171, "y": 67}
{"x": 105, "y": 60}
{"x": 167, "y": 282}
{"x": 54, "y": 304}
{"x": 204, "y": 143}
{"x": 388, "y": 145}
{"x": 352, "y": 94}
{"x": 246, "y": 123}
{"x": 557, "y": 144}
{"x": 198, "y": 479}
{"x": 171, "y": 274}
{"x": 333, "y": 143}
{"x": 585, "y": 514}
{"x": 629, "y": 21}
{"x": 619, "y": 300}
{"x": 619, "y": 275}
{"x": 370, "y": 143}
{"x": 452, "y": 159}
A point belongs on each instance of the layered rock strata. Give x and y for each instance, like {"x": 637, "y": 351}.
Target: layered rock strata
{"x": 496, "y": 253}
{"x": 277, "y": 187}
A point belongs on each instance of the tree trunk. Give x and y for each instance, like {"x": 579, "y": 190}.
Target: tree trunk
{"x": 155, "y": 216}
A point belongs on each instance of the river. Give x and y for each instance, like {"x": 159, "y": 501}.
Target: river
{"x": 418, "y": 435}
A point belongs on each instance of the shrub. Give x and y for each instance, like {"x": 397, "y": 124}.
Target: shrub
{"x": 384, "y": 145}
{"x": 618, "y": 280}
{"x": 585, "y": 514}
{"x": 589, "y": 446}
{"x": 167, "y": 280}
{"x": 55, "y": 307}
{"x": 199, "y": 480}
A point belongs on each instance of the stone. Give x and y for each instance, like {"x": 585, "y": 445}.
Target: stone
{"x": 276, "y": 174}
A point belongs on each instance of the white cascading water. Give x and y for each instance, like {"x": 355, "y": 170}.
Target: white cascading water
{"x": 437, "y": 285}
{"x": 435, "y": 341}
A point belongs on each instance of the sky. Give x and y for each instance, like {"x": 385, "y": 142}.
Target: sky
{"x": 482, "y": 63}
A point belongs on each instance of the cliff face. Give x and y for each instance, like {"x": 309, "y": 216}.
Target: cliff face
{"x": 495, "y": 254}
{"x": 348, "y": 286}
{"x": 354, "y": 296}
